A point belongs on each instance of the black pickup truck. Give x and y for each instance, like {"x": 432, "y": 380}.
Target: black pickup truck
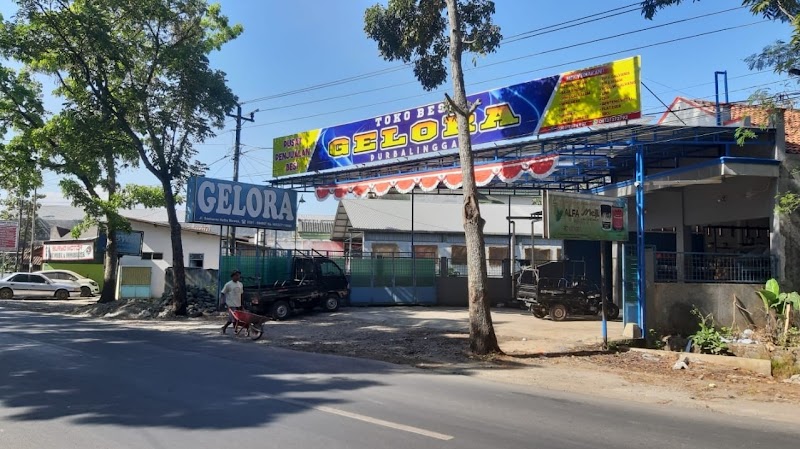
{"x": 317, "y": 282}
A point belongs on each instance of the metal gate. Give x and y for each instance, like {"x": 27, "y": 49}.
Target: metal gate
{"x": 134, "y": 282}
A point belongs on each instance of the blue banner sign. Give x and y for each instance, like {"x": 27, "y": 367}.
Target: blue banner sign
{"x": 220, "y": 202}
{"x": 129, "y": 243}
{"x": 597, "y": 95}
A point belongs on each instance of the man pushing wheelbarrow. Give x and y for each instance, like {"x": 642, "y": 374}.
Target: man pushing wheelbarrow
{"x": 241, "y": 319}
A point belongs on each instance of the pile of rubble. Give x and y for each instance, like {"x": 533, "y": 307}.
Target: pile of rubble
{"x": 199, "y": 302}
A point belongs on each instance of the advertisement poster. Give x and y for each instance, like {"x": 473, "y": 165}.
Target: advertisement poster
{"x": 69, "y": 251}
{"x": 8, "y": 236}
{"x": 597, "y": 95}
{"x": 220, "y": 202}
{"x": 575, "y": 216}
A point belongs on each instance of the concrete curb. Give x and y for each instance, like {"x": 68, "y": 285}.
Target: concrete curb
{"x": 758, "y": 366}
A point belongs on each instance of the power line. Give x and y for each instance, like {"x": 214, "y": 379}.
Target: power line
{"x": 494, "y": 79}
{"x": 614, "y": 36}
{"x": 589, "y": 42}
{"x": 514, "y": 38}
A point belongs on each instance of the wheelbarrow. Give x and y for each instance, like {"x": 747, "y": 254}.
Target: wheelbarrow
{"x": 251, "y": 324}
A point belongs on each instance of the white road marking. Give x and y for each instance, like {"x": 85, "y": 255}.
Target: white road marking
{"x": 364, "y": 418}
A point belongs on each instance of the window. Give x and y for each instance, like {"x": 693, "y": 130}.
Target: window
{"x": 68, "y": 277}
{"x": 19, "y": 278}
{"x": 152, "y": 256}
{"x": 542, "y": 255}
{"x": 55, "y": 276}
{"x": 426, "y": 251}
{"x": 497, "y": 254}
{"x": 458, "y": 255}
{"x": 385, "y": 249}
{"x": 330, "y": 269}
{"x": 196, "y": 260}
{"x": 36, "y": 279}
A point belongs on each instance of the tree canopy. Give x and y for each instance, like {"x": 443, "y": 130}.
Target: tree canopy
{"x": 138, "y": 71}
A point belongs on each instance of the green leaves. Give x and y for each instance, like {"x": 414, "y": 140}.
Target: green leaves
{"x": 774, "y": 299}
{"x": 416, "y": 32}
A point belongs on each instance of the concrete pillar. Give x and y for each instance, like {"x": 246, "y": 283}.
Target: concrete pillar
{"x": 616, "y": 273}
{"x": 776, "y": 239}
{"x": 785, "y": 228}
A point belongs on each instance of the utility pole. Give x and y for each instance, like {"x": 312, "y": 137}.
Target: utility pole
{"x": 33, "y": 229}
{"x": 20, "y": 233}
{"x": 237, "y": 152}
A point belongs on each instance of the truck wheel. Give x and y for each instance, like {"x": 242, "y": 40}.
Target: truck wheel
{"x": 538, "y": 312}
{"x": 280, "y": 310}
{"x": 331, "y": 303}
{"x": 558, "y": 312}
{"x": 612, "y": 311}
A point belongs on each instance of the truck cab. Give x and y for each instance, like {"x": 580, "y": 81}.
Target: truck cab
{"x": 316, "y": 281}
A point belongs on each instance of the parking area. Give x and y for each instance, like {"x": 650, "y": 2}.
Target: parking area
{"x": 517, "y": 330}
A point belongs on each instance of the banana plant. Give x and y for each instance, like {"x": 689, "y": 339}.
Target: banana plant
{"x": 779, "y": 304}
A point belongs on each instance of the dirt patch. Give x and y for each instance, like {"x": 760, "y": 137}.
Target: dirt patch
{"x": 702, "y": 381}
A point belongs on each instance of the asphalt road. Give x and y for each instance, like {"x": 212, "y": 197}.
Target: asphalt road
{"x": 71, "y": 383}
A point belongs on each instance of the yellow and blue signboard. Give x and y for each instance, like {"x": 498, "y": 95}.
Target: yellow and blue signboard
{"x": 603, "y": 94}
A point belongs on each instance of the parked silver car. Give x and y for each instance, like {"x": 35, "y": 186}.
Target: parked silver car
{"x": 32, "y": 285}
{"x": 88, "y": 286}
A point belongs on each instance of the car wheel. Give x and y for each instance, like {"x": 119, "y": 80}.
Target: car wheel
{"x": 612, "y": 311}
{"x": 558, "y": 312}
{"x": 62, "y": 295}
{"x": 332, "y": 303}
{"x": 538, "y": 312}
{"x": 280, "y": 310}
{"x": 6, "y": 293}
{"x": 86, "y": 292}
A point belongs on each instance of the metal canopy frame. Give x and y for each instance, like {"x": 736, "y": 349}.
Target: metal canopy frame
{"x": 587, "y": 161}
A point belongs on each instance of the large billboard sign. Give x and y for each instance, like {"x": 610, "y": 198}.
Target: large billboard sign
{"x": 220, "y": 202}
{"x": 576, "y": 216}
{"x": 598, "y": 95}
{"x": 9, "y": 235}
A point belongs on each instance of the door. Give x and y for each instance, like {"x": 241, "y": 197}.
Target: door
{"x": 19, "y": 284}
{"x": 40, "y": 286}
{"x": 332, "y": 276}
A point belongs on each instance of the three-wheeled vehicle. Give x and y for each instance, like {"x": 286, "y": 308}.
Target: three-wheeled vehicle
{"x": 560, "y": 297}
{"x": 316, "y": 282}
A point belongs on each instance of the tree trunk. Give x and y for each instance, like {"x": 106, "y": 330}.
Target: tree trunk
{"x": 110, "y": 268}
{"x": 178, "y": 269}
{"x": 111, "y": 259}
{"x": 482, "y": 339}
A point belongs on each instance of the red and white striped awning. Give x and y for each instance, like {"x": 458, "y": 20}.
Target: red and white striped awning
{"x": 538, "y": 167}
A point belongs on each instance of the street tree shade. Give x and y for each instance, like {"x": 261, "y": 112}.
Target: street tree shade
{"x": 144, "y": 67}
{"x": 427, "y": 33}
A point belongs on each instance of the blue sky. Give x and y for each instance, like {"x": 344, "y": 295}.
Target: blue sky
{"x": 289, "y": 45}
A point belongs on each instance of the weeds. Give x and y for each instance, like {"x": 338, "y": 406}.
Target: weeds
{"x": 708, "y": 339}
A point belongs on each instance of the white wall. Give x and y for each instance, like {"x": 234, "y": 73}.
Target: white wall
{"x": 157, "y": 240}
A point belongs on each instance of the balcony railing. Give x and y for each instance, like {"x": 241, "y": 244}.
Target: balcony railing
{"x": 713, "y": 268}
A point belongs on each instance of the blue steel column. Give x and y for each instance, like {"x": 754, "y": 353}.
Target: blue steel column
{"x": 641, "y": 264}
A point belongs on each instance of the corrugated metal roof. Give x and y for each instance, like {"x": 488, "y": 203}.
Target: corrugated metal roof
{"x": 315, "y": 225}
{"x": 430, "y": 217}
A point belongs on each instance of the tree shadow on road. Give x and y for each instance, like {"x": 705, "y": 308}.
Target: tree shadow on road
{"x": 91, "y": 372}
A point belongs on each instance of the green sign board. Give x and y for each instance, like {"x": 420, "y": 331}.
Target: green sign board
{"x": 571, "y": 216}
